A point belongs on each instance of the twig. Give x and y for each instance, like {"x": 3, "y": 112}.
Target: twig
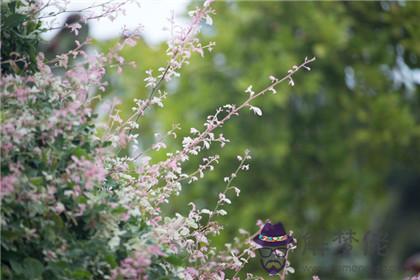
{"x": 75, "y": 11}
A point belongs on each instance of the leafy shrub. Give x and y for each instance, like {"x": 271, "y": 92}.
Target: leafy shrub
{"x": 71, "y": 207}
{"x": 20, "y": 31}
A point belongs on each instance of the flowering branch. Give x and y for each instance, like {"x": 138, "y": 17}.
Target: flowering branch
{"x": 108, "y": 9}
{"x": 179, "y": 51}
{"x": 222, "y": 196}
{"x": 287, "y": 268}
{"x": 193, "y": 145}
{"x": 235, "y": 110}
{"x": 55, "y": 163}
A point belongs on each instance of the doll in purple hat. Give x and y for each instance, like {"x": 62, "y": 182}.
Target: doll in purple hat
{"x": 274, "y": 244}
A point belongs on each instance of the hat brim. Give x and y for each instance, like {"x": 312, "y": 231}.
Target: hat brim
{"x": 273, "y": 244}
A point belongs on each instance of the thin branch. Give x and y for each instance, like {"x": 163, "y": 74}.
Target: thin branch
{"x": 75, "y": 11}
{"x": 235, "y": 111}
{"x": 168, "y": 67}
{"x": 244, "y": 104}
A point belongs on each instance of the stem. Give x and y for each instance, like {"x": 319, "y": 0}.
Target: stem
{"x": 149, "y": 99}
{"x": 236, "y": 273}
{"x": 227, "y": 188}
{"x": 244, "y": 104}
{"x": 235, "y": 111}
{"x": 168, "y": 67}
{"x": 283, "y": 273}
{"x": 76, "y": 11}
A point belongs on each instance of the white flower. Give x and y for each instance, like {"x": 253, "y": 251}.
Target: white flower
{"x": 194, "y": 131}
{"x": 184, "y": 231}
{"x": 135, "y": 212}
{"x": 249, "y": 90}
{"x": 206, "y": 211}
{"x": 224, "y": 199}
{"x": 291, "y": 82}
{"x": 209, "y": 20}
{"x": 114, "y": 242}
{"x": 158, "y": 101}
{"x": 237, "y": 191}
{"x": 186, "y": 141}
{"x": 273, "y": 90}
{"x": 290, "y": 269}
{"x": 243, "y": 232}
{"x": 273, "y": 79}
{"x": 256, "y": 110}
{"x": 222, "y": 212}
{"x": 59, "y": 208}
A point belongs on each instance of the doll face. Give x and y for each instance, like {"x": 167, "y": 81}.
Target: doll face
{"x": 273, "y": 258}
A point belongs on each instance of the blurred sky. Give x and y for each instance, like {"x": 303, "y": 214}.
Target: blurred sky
{"x": 152, "y": 15}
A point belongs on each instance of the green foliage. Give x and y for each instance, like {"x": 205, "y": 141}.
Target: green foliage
{"x": 34, "y": 230}
{"x": 19, "y": 37}
{"x": 61, "y": 217}
{"x": 325, "y": 150}
{"x": 71, "y": 208}
{"x": 54, "y": 224}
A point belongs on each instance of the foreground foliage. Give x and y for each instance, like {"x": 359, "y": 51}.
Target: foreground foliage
{"x": 72, "y": 208}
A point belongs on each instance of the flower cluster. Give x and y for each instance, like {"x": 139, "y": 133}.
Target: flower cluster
{"x": 72, "y": 208}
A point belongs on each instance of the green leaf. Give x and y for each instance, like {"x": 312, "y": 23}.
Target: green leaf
{"x": 37, "y": 181}
{"x": 106, "y": 144}
{"x": 110, "y": 259}
{"x": 14, "y": 20}
{"x": 81, "y": 274}
{"x": 80, "y": 152}
{"x": 175, "y": 260}
{"x": 32, "y": 268}
{"x": 17, "y": 267}
{"x": 119, "y": 210}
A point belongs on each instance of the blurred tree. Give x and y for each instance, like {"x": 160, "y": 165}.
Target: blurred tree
{"x": 339, "y": 151}
{"x": 65, "y": 38}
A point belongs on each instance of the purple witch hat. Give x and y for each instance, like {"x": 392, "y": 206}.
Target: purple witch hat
{"x": 272, "y": 236}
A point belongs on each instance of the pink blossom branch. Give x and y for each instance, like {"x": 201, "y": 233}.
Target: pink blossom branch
{"x": 194, "y": 145}
{"x": 178, "y": 57}
{"x": 236, "y": 110}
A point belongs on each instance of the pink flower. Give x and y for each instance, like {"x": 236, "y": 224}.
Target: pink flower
{"x": 7, "y": 185}
{"x": 260, "y": 224}
{"x": 133, "y": 267}
{"x": 173, "y": 165}
{"x": 88, "y": 171}
{"x": 21, "y": 94}
{"x": 74, "y": 27}
{"x": 190, "y": 273}
{"x": 123, "y": 139}
{"x": 82, "y": 208}
{"x": 125, "y": 216}
{"x": 43, "y": 68}
{"x": 6, "y": 147}
{"x": 130, "y": 41}
{"x": 155, "y": 250}
{"x": 59, "y": 208}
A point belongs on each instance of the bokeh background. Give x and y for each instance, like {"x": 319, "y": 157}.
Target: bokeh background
{"x": 336, "y": 158}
